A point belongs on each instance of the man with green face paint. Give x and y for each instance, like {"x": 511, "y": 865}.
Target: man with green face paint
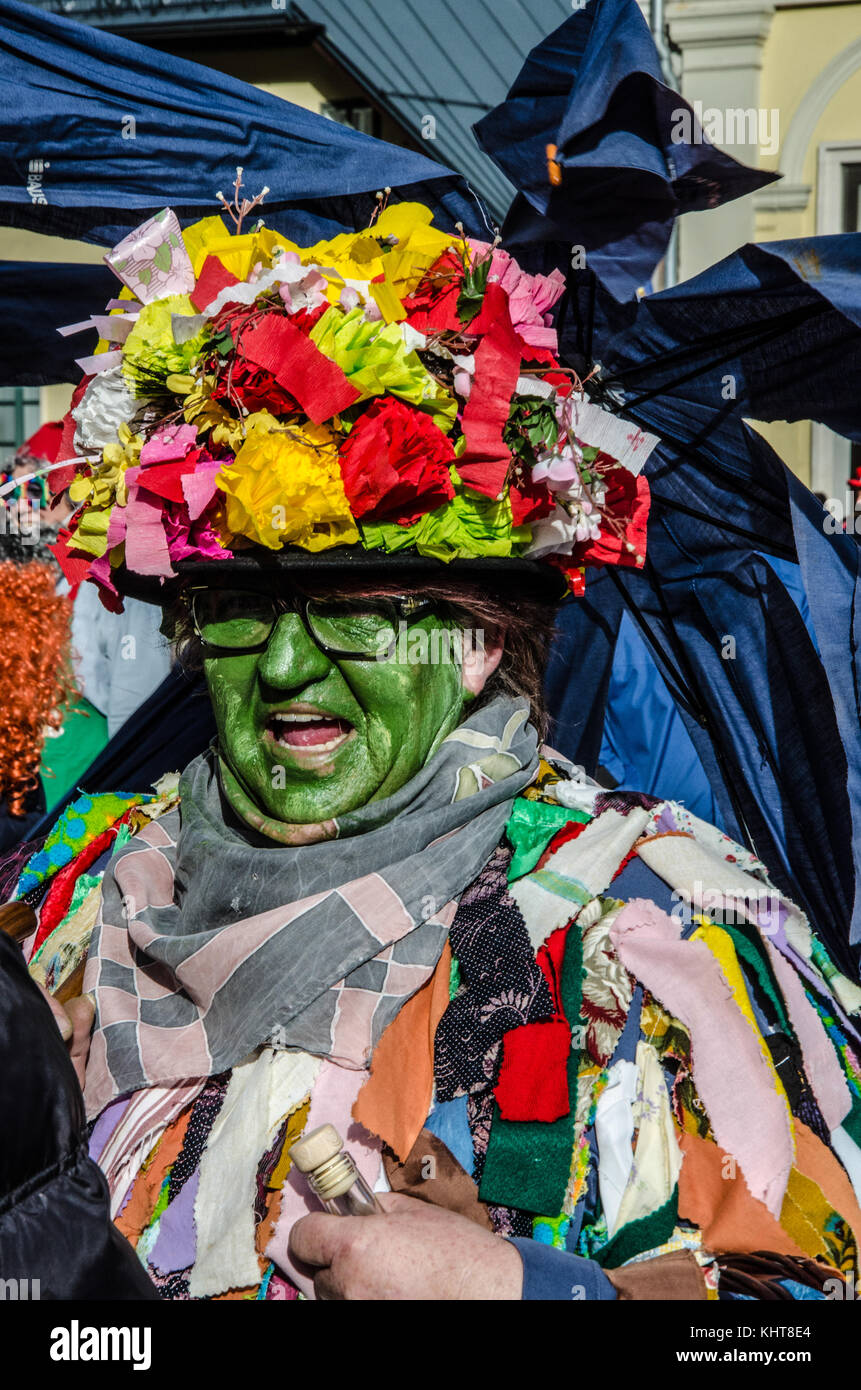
{"x": 541, "y": 1015}
{"x": 307, "y": 737}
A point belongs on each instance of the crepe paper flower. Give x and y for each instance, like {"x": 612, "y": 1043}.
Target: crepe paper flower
{"x": 103, "y": 486}
{"x": 417, "y": 244}
{"x": 213, "y": 278}
{"x": 530, "y": 297}
{"x": 395, "y": 464}
{"x": 284, "y": 487}
{"x": 486, "y": 461}
{"x": 296, "y": 364}
{"x": 189, "y": 539}
{"x": 238, "y": 254}
{"x": 556, "y": 533}
{"x": 432, "y": 306}
{"x": 211, "y": 418}
{"x": 348, "y": 256}
{"x": 622, "y": 536}
{"x": 529, "y": 500}
{"x": 106, "y": 404}
{"x": 152, "y": 261}
{"x": 151, "y": 351}
{"x": 169, "y": 443}
{"x": 376, "y": 360}
{"x": 466, "y": 527}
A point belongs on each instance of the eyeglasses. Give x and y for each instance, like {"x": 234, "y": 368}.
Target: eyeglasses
{"x": 359, "y": 629}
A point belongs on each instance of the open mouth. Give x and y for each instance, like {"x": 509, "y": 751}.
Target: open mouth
{"x": 307, "y": 731}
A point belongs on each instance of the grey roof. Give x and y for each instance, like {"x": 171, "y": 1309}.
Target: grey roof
{"x": 452, "y": 60}
{"x": 449, "y": 59}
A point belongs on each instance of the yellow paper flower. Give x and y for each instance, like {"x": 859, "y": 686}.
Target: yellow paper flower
{"x": 284, "y": 487}
{"x": 376, "y": 360}
{"x": 360, "y": 255}
{"x": 239, "y": 254}
{"x": 210, "y": 417}
{"x": 103, "y": 488}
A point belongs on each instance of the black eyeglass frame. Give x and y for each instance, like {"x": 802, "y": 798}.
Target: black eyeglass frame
{"x": 396, "y": 609}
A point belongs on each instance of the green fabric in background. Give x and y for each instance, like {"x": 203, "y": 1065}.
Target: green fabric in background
{"x": 65, "y": 758}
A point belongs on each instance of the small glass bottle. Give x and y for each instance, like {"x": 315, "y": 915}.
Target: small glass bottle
{"x": 332, "y": 1174}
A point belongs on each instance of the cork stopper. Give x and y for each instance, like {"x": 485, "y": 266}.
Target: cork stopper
{"x": 316, "y": 1148}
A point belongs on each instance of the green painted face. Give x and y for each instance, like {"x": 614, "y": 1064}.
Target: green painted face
{"x": 309, "y": 737}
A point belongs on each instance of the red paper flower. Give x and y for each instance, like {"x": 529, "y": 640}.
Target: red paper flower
{"x": 627, "y": 504}
{"x": 395, "y": 462}
{"x": 432, "y": 306}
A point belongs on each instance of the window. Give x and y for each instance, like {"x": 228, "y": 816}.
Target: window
{"x": 355, "y": 112}
{"x": 834, "y": 459}
{"x": 19, "y": 416}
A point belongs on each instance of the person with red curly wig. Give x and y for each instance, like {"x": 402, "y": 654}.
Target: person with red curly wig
{"x": 36, "y": 680}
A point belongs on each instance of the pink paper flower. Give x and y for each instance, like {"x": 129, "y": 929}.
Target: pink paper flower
{"x": 530, "y": 297}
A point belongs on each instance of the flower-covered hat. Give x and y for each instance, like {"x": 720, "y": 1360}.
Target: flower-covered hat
{"x": 393, "y": 392}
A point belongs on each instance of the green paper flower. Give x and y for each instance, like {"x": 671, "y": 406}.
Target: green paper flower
{"x": 150, "y": 352}
{"x": 375, "y": 359}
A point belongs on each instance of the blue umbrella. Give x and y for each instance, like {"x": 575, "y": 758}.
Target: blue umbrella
{"x": 35, "y": 299}
{"x": 772, "y": 332}
{"x": 631, "y": 155}
{"x": 97, "y": 133}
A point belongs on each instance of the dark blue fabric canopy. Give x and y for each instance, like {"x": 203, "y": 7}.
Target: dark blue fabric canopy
{"x": 776, "y": 725}
{"x": 73, "y": 165}
{"x": 631, "y": 154}
{"x": 35, "y": 299}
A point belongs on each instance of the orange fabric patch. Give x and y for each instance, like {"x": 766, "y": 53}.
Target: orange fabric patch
{"x": 819, "y": 1164}
{"x": 395, "y": 1100}
{"x": 729, "y": 1216}
{"x": 138, "y": 1210}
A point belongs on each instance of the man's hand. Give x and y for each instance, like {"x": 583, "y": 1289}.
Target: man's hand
{"x": 75, "y": 1022}
{"x": 415, "y": 1251}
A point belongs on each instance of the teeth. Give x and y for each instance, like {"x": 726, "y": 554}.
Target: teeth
{"x": 299, "y": 718}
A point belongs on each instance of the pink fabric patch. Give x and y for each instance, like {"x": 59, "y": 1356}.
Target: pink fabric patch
{"x": 174, "y": 1053}
{"x": 332, "y": 1100}
{"x": 748, "y": 1117}
{"x": 820, "y": 1060}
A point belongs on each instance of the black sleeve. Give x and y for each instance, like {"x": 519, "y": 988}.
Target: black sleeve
{"x": 55, "y": 1221}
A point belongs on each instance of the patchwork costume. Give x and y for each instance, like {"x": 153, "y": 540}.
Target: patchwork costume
{"x": 585, "y": 1020}
{"x": 641, "y": 1087}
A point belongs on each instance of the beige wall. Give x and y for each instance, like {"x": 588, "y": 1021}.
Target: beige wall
{"x": 804, "y": 62}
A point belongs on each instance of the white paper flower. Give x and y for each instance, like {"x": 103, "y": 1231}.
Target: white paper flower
{"x": 106, "y": 404}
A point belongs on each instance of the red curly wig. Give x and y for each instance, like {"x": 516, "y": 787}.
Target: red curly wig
{"x": 35, "y": 673}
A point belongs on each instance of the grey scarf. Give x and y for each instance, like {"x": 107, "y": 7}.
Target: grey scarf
{"x": 230, "y": 944}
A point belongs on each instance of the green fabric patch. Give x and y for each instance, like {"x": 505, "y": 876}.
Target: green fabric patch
{"x": 530, "y": 829}
{"x": 840, "y": 1043}
{"x": 82, "y": 821}
{"x": 528, "y": 1162}
{"x": 746, "y": 949}
{"x": 561, "y": 887}
{"x": 638, "y": 1236}
{"x": 453, "y": 978}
